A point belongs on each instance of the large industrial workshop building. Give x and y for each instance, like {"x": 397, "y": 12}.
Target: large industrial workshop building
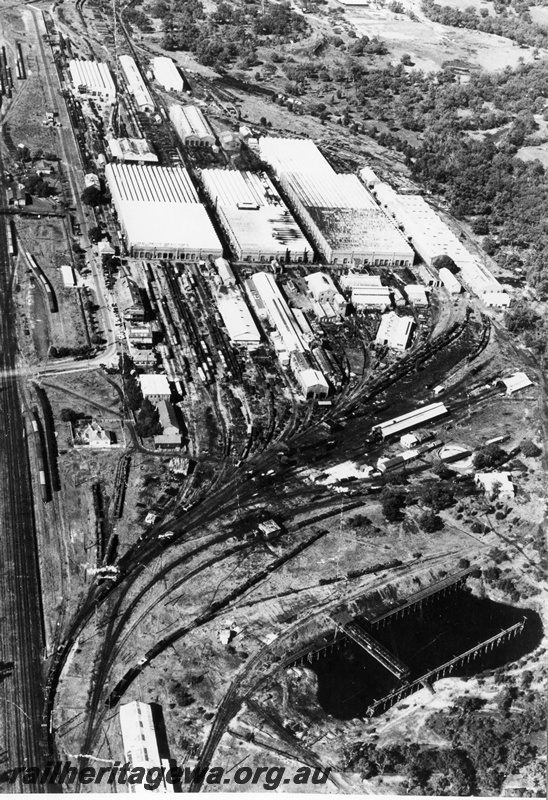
{"x": 160, "y": 214}
{"x": 336, "y": 210}
{"x": 191, "y": 126}
{"x": 431, "y": 237}
{"x": 289, "y": 339}
{"x": 166, "y": 73}
{"x": 92, "y": 79}
{"x": 136, "y": 84}
{"x": 254, "y": 217}
{"x": 141, "y": 743}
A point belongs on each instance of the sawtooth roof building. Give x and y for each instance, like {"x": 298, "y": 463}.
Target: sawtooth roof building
{"x": 160, "y": 214}
{"x": 431, "y": 237}
{"x": 191, "y": 126}
{"x": 337, "y": 211}
{"x": 92, "y": 79}
{"x": 166, "y": 73}
{"x": 133, "y": 150}
{"x": 254, "y": 217}
{"x": 136, "y": 84}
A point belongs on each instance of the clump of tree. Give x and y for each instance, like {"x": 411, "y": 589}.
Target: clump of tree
{"x": 529, "y": 448}
{"x": 438, "y": 495}
{"x": 430, "y": 522}
{"x": 393, "y": 501}
{"x": 92, "y": 196}
{"x": 148, "y": 420}
{"x": 445, "y": 262}
{"x": 490, "y": 457}
{"x": 132, "y": 388}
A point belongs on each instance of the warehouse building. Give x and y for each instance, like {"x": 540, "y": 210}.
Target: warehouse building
{"x": 92, "y": 79}
{"x": 166, "y": 73}
{"x": 367, "y": 291}
{"x": 416, "y": 294}
{"x": 160, "y": 214}
{"x": 431, "y": 237}
{"x": 414, "y": 419}
{"x": 312, "y": 383}
{"x": 395, "y": 332}
{"x": 336, "y": 211}
{"x": 136, "y": 151}
{"x": 257, "y": 222}
{"x": 155, "y": 387}
{"x": 270, "y": 303}
{"x": 191, "y": 126}
{"x": 238, "y": 320}
{"x": 141, "y": 744}
{"x": 321, "y": 287}
{"x": 136, "y": 84}
{"x": 450, "y": 282}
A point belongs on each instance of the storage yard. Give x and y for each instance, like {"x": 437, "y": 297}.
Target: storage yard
{"x": 262, "y": 421}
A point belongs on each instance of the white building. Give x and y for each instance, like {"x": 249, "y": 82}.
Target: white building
{"x": 136, "y": 84}
{"x": 132, "y": 150}
{"x": 416, "y": 294}
{"x": 394, "y": 331}
{"x": 160, "y": 214}
{"x": 225, "y": 272}
{"x": 155, "y": 387}
{"x": 270, "y": 303}
{"x": 238, "y": 320}
{"x": 140, "y": 742}
{"x": 312, "y": 383}
{"x": 451, "y": 283}
{"x": 337, "y": 211}
{"x": 516, "y": 382}
{"x": 191, "y": 126}
{"x": 369, "y": 177}
{"x": 367, "y": 291}
{"x": 321, "y": 287}
{"x": 166, "y": 73}
{"x": 92, "y": 79}
{"x": 496, "y": 484}
{"x": 256, "y": 220}
{"x": 69, "y": 276}
{"x": 431, "y": 237}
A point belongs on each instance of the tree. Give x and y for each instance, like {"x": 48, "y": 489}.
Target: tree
{"x": 69, "y": 415}
{"x": 529, "y": 448}
{"x": 445, "y": 262}
{"x": 148, "y": 420}
{"x": 430, "y": 522}
{"x": 490, "y": 456}
{"x": 437, "y": 494}
{"x": 92, "y": 196}
{"x": 95, "y": 234}
{"x": 392, "y": 503}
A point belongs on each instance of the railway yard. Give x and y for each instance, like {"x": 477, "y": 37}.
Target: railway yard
{"x": 223, "y": 485}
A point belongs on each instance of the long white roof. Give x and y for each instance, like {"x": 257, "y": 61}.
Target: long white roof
{"x": 279, "y": 312}
{"x": 159, "y": 207}
{"x": 254, "y": 211}
{"x": 395, "y": 331}
{"x": 167, "y": 74}
{"x": 94, "y": 75}
{"x": 138, "y": 734}
{"x": 135, "y": 82}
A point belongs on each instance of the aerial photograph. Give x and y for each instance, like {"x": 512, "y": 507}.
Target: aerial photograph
{"x": 273, "y": 397}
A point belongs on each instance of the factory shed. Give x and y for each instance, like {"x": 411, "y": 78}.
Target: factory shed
{"x": 254, "y": 217}
{"x": 238, "y": 320}
{"x": 304, "y": 324}
{"x": 497, "y": 484}
{"x": 336, "y": 210}
{"x": 191, "y": 126}
{"x": 155, "y": 387}
{"x": 136, "y": 84}
{"x": 497, "y": 299}
{"x": 92, "y": 79}
{"x": 416, "y": 294}
{"x": 132, "y": 150}
{"x": 414, "y": 419}
{"x": 312, "y": 383}
{"x": 168, "y": 419}
{"x": 449, "y": 281}
{"x": 321, "y": 287}
{"x": 140, "y": 742}
{"x": 68, "y": 275}
{"x": 372, "y": 297}
{"x": 160, "y": 214}
{"x": 290, "y": 336}
{"x": 394, "y": 331}
{"x": 369, "y": 177}
{"x": 130, "y": 302}
{"x": 225, "y": 272}
{"x": 431, "y": 237}
{"x": 167, "y": 75}
{"x": 516, "y": 382}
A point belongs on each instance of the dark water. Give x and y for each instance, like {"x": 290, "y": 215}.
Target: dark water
{"x": 350, "y": 679}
